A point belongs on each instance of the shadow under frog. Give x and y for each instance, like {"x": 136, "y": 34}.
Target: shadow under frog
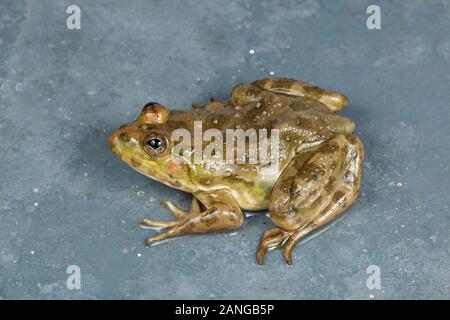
{"x": 316, "y": 179}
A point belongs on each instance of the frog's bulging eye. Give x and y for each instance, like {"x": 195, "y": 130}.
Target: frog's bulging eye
{"x": 155, "y": 145}
{"x": 149, "y": 105}
{"x": 154, "y": 113}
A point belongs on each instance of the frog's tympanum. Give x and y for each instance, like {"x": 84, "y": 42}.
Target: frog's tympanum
{"x": 316, "y": 178}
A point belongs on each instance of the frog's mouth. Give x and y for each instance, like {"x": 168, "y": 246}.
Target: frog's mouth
{"x": 116, "y": 144}
{"x": 113, "y": 139}
{"x": 125, "y": 150}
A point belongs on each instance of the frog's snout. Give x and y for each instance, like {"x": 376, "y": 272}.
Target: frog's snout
{"x": 114, "y": 139}
{"x": 119, "y": 135}
{"x": 111, "y": 140}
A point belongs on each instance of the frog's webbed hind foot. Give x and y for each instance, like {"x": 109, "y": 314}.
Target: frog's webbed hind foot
{"x": 222, "y": 214}
{"x": 313, "y": 191}
{"x": 277, "y": 238}
{"x": 272, "y": 239}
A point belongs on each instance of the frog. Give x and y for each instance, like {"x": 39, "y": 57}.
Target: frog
{"x": 316, "y": 179}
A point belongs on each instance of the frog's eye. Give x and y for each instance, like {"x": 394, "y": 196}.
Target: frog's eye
{"x": 149, "y": 105}
{"x": 154, "y": 113}
{"x": 155, "y": 145}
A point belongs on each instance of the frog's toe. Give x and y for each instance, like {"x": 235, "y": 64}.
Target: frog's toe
{"x": 272, "y": 239}
{"x": 176, "y": 212}
{"x": 151, "y": 241}
{"x": 157, "y": 224}
{"x": 195, "y": 208}
{"x": 287, "y": 251}
{"x": 171, "y": 231}
{"x": 277, "y": 238}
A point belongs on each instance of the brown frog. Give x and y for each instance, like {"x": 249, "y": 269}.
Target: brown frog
{"x": 316, "y": 178}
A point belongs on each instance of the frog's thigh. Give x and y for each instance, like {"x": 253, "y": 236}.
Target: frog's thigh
{"x": 328, "y": 182}
{"x": 222, "y": 214}
{"x": 310, "y": 194}
{"x": 335, "y": 101}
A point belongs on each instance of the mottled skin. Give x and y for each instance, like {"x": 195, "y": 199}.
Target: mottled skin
{"x": 317, "y": 178}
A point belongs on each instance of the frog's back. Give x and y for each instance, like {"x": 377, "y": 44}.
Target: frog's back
{"x": 302, "y": 123}
{"x": 299, "y": 120}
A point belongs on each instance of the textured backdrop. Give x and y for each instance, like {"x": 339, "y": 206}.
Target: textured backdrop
{"x": 66, "y": 200}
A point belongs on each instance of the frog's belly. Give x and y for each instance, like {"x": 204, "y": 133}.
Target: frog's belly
{"x": 251, "y": 201}
{"x": 249, "y": 197}
{"x": 254, "y": 194}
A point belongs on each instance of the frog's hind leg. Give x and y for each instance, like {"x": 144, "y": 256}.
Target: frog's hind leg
{"x": 333, "y": 100}
{"x": 313, "y": 191}
{"x": 222, "y": 214}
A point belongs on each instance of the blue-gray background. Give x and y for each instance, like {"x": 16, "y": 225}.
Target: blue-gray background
{"x": 66, "y": 200}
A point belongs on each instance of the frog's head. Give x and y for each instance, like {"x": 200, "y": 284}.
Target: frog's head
{"x": 145, "y": 145}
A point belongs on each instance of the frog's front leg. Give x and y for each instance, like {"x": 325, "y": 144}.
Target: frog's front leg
{"x": 178, "y": 213}
{"x": 195, "y": 208}
{"x": 314, "y": 189}
{"x": 222, "y": 214}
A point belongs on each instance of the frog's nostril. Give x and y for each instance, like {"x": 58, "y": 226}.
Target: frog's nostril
{"x": 124, "y": 136}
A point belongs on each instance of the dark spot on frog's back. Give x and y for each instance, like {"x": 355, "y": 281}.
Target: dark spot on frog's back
{"x": 329, "y": 148}
{"x": 277, "y": 83}
{"x": 313, "y": 90}
{"x": 311, "y": 169}
{"x": 351, "y": 138}
{"x": 251, "y": 90}
{"x": 303, "y": 123}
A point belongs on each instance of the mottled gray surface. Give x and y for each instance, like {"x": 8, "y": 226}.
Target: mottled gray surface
{"x": 66, "y": 200}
